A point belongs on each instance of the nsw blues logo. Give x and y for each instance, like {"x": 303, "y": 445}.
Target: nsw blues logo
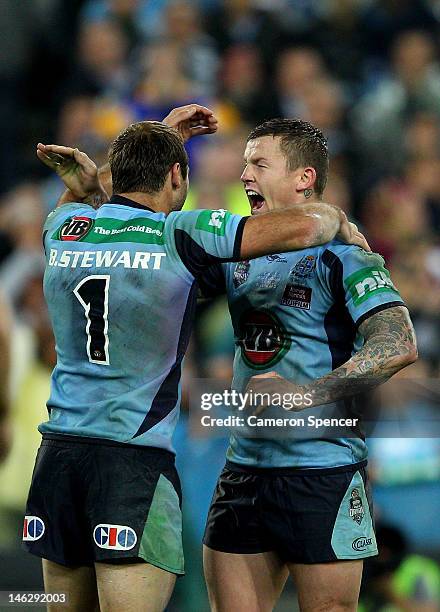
{"x": 33, "y": 528}
{"x": 305, "y": 267}
{"x": 114, "y": 537}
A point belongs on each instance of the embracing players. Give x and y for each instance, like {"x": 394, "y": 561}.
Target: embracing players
{"x": 104, "y": 505}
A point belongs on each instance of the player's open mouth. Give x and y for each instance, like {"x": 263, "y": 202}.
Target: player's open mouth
{"x": 256, "y": 200}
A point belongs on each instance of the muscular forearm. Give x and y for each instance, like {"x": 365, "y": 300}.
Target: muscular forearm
{"x": 390, "y": 346}
{"x": 290, "y": 229}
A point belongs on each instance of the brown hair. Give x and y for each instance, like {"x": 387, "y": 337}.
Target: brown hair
{"x": 143, "y": 154}
{"x": 301, "y": 143}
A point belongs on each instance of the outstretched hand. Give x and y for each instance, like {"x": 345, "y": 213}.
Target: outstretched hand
{"x": 349, "y": 233}
{"x": 77, "y": 171}
{"x": 192, "y": 120}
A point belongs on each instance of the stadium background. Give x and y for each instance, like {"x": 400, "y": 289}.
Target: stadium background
{"x": 367, "y": 72}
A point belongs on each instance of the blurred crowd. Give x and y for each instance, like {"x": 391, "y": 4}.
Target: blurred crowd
{"x": 75, "y": 72}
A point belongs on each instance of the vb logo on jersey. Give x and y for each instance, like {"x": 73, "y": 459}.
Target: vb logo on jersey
{"x": 367, "y": 282}
{"x": 75, "y": 228}
{"x": 114, "y": 537}
{"x": 213, "y": 221}
{"x": 263, "y": 339}
{"x": 33, "y": 528}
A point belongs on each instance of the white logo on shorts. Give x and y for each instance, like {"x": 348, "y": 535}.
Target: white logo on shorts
{"x": 114, "y": 537}
{"x": 33, "y": 528}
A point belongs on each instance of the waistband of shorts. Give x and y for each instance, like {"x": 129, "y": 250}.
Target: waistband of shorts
{"x": 50, "y": 439}
{"x": 293, "y": 471}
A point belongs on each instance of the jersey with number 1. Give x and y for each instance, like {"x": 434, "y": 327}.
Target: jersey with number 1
{"x": 120, "y": 284}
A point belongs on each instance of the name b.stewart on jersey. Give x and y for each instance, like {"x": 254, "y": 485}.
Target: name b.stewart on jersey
{"x": 105, "y": 259}
{"x": 121, "y": 286}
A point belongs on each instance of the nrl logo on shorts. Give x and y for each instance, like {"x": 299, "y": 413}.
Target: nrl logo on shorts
{"x": 356, "y": 508}
{"x": 241, "y": 273}
{"x": 75, "y": 228}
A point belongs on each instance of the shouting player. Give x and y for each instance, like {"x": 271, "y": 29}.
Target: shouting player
{"x": 120, "y": 282}
{"x": 322, "y": 322}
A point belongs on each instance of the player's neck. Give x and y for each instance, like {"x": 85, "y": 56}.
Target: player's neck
{"x": 158, "y": 203}
{"x": 312, "y": 197}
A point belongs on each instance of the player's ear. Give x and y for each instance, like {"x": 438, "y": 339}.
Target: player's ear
{"x": 306, "y": 179}
{"x": 176, "y": 176}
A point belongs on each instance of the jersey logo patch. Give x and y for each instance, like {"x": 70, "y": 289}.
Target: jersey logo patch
{"x": 263, "y": 339}
{"x": 297, "y": 296}
{"x": 276, "y": 258}
{"x": 213, "y": 221}
{"x": 75, "y": 228}
{"x": 114, "y": 537}
{"x": 356, "y": 508}
{"x": 33, "y": 528}
{"x": 241, "y": 273}
{"x": 304, "y": 268}
{"x": 367, "y": 282}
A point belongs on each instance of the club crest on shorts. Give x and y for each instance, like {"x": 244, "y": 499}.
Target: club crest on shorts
{"x": 114, "y": 537}
{"x": 75, "y": 228}
{"x": 33, "y": 528}
{"x": 356, "y": 507}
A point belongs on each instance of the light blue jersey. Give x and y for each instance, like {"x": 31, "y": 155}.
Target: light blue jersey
{"x": 298, "y": 314}
{"x": 120, "y": 283}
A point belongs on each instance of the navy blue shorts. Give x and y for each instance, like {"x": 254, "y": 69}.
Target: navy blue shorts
{"x": 306, "y": 516}
{"x": 97, "y": 500}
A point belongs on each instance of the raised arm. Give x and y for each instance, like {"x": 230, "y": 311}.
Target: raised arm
{"x": 85, "y": 183}
{"x": 77, "y": 171}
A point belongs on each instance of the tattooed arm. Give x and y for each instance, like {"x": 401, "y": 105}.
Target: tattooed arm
{"x": 390, "y": 345}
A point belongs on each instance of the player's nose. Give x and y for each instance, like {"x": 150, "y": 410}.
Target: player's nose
{"x": 246, "y": 176}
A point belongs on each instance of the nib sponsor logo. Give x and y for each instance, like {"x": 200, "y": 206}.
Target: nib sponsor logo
{"x": 33, "y": 528}
{"x": 361, "y": 543}
{"x": 114, "y": 537}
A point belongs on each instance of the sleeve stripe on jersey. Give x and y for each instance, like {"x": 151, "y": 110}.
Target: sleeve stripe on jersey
{"x": 239, "y": 238}
{"x": 193, "y": 256}
{"x": 377, "y": 309}
{"x": 44, "y": 243}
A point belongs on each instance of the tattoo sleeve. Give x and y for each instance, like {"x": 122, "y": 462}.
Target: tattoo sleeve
{"x": 390, "y": 345}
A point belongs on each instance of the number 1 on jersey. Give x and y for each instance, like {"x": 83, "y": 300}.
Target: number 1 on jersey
{"x": 92, "y": 293}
